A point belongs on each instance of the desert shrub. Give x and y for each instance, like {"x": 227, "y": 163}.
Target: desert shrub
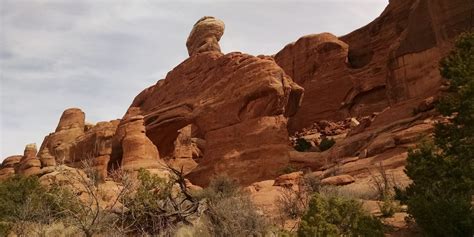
{"x": 230, "y": 210}
{"x": 302, "y": 145}
{"x": 384, "y": 185}
{"x": 326, "y": 143}
{"x": 311, "y": 183}
{"x": 147, "y": 208}
{"x": 388, "y": 207}
{"x": 293, "y": 201}
{"x": 336, "y": 216}
{"x": 442, "y": 170}
{"x": 23, "y": 200}
{"x": 5, "y": 228}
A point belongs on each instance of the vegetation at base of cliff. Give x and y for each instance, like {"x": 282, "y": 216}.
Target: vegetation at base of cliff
{"x": 336, "y": 216}
{"x": 442, "y": 169}
{"x": 23, "y": 200}
{"x": 148, "y": 205}
{"x": 302, "y": 145}
{"x": 326, "y": 144}
{"x": 230, "y": 210}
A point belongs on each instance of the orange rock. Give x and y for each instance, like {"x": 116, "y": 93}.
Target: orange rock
{"x": 183, "y": 151}
{"x": 71, "y": 118}
{"x": 29, "y": 163}
{"x": 58, "y": 144}
{"x": 138, "y": 150}
{"x": 289, "y": 180}
{"x": 205, "y": 35}
{"x": 236, "y": 102}
{"x": 338, "y": 180}
{"x": 392, "y": 59}
{"x": 250, "y": 151}
{"x": 8, "y": 166}
{"x": 381, "y": 143}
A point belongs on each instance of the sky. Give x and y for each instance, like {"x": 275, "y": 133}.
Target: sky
{"x": 97, "y": 55}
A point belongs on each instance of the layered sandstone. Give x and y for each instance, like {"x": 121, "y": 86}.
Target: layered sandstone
{"x": 219, "y": 113}
{"x": 56, "y": 146}
{"x": 393, "y": 59}
{"x": 8, "y": 166}
{"x": 29, "y": 164}
{"x": 138, "y": 150}
{"x": 205, "y": 36}
{"x": 236, "y": 102}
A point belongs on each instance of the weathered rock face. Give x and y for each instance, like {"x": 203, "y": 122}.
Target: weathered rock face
{"x": 29, "y": 163}
{"x": 138, "y": 150}
{"x": 8, "y": 166}
{"x": 185, "y": 151}
{"x": 58, "y": 144}
{"x": 95, "y": 146}
{"x": 222, "y": 96}
{"x": 205, "y": 36}
{"x": 73, "y": 143}
{"x": 393, "y": 59}
{"x": 255, "y": 149}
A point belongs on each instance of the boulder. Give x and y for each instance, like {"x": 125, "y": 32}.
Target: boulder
{"x": 338, "y": 180}
{"x": 289, "y": 180}
{"x": 205, "y": 36}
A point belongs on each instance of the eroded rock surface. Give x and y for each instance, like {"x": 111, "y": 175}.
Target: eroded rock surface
{"x": 29, "y": 163}
{"x": 205, "y": 36}
{"x": 393, "y": 59}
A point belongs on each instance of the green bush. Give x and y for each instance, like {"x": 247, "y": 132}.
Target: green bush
{"x": 326, "y": 144}
{"x": 302, "y": 145}
{"x": 336, "y": 216}
{"x": 442, "y": 170}
{"x": 388, "y": 207}
{"x": 24, "y": 201}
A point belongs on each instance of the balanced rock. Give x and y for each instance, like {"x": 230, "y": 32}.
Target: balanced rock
{"x": 205, "y": 36}
{"x": 238, "y": 104}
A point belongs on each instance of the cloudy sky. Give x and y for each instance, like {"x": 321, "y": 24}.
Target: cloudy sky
{"x": 99, "y": 54}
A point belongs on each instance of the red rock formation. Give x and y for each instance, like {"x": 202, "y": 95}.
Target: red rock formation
{"x": 205, "y": 36}
{"x": 393, "y": 59}
{"x": 138, "y": 150}
{"x": 58, "y": 144}
{"x": 184, "y": 151}
{"x": 29, "y": 163}
{"x": 8, "y": 166}
{"x": 235, "y": 102}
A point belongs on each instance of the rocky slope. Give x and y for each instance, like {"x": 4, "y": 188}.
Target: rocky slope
{"x": 371, "y": 91}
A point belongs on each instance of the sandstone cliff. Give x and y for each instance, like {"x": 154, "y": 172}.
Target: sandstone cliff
{"x": 233, "y": 113}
